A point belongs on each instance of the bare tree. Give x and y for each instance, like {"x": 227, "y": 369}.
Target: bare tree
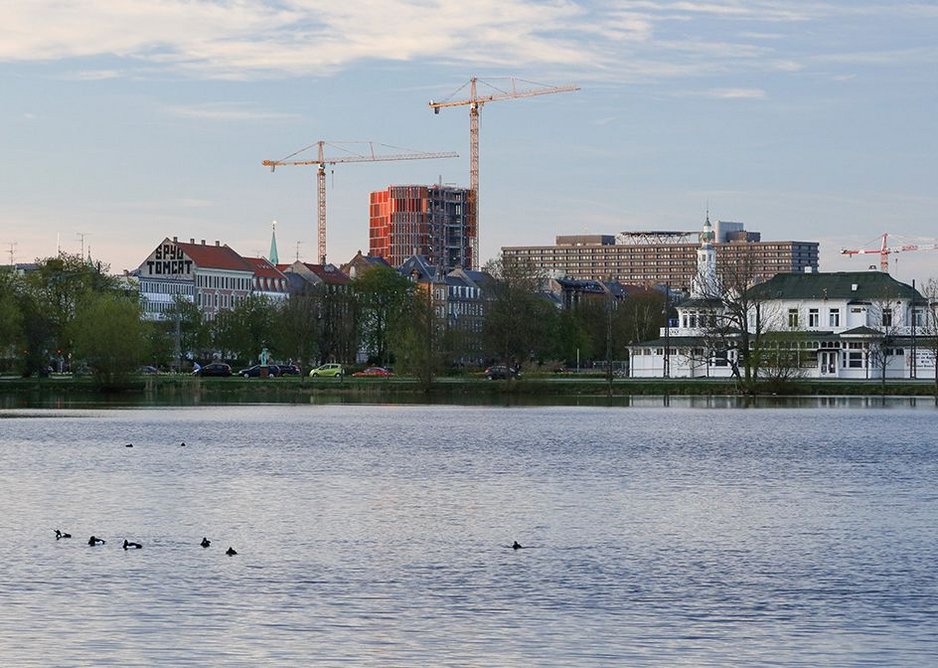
{"x": 929, "y": 326}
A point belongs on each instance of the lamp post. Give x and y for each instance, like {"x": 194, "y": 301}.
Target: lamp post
{"x": 667, "y": 331}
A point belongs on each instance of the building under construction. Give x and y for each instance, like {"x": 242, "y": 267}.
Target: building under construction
{"x": 432, "y": 221}
{"x": 663, "y": 257}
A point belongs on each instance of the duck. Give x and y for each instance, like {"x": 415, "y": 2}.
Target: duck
{"x": 230, "y": 551}
{"x": 132, "y": 546}
{"x": 129, "y": 445}
{"x": 516, "y": 546}
{"x": 182, "y": 445}
{"x": 94, "y": 540}
{"x": 205, "y": 542}
{"x": 61, "y": 534}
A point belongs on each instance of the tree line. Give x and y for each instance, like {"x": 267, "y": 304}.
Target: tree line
{"x": 70, "y": 315}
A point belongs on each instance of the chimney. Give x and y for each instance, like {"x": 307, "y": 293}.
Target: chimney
{"x": 216, "y": 242}
{"x": 191, "y": 240}
{"x": 175, "y": 239}
{"x": 203, "y": 242}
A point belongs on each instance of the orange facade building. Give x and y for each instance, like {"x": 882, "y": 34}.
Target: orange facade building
{"x": 431, "y": 221}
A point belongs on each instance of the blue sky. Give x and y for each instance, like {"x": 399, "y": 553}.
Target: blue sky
{"x": 130, "y": 120}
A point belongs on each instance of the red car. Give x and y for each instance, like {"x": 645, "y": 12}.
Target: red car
{"x": 373, "y": 371}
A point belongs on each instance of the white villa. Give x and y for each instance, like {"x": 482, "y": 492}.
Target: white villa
{"x": 851, "y": 325}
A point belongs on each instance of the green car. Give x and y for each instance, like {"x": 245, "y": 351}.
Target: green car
{"x": 327, "y": 371}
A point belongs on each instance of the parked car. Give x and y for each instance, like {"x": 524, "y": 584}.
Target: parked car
{"x": 289, "y": 370}
{"x": 374, "y": 371}
{"x": 255, "y": 371}
{"x": 213, "y": 369}
{"x": 501, "y": 372}
{"x": 327, "y": 371}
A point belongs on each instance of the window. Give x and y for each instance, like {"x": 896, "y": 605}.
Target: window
{"x": 887, "y": 317}
{"x": 855, "y": 360}
{"x": 792, "y": 317}
{"x": 814, "y": 318}
{"x": 834, "y": 317}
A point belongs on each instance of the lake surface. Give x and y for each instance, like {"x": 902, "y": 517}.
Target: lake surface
{"x": 380, "y": 536}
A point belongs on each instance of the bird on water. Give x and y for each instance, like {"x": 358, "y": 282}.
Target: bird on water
{"x": 61, "y": 534}
{"x": 94, "y": 540}
{"x": 132, "y": 546}
{"x": 205, "y": 542}
{"x": 230, "y": 551}
{"x": 129, "y": 445}
{"x": 516, "y": 546}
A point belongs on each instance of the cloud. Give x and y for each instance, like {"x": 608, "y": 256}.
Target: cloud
{"x": 611, "y": 40}
{"x": 225, "y": 112}
{"x": 727, "y": 94}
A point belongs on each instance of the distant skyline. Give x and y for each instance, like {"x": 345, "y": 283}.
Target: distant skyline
{"x": 126, "y": 122}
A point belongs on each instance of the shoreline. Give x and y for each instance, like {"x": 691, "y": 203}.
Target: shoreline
{"x": 182, "y": 390}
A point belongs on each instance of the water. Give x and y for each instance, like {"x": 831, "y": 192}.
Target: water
{"x": 379, "y": 536}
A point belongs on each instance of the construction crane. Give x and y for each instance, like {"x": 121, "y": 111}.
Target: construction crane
{"x": 885, "y": 250}
{"x": 475, "y": 102}
{"x": 351, "y": 156}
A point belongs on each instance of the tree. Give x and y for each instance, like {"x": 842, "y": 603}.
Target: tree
{"x": 417, "y": 337}
{"x": 295, "y": 335}
{"x": 110, "y": 335}
{"x": 886, "y": 316}
{"x": 58, "y": 284}
{"x": 245, "y": 329}
{"x": 187, "y": 328}
{"x": 735, "y": 318}
{"x": 11, "y": 316}
{"x": 519, "y": 321}
{"x": 929, "y": 325}
{"x": 382, "y": 293}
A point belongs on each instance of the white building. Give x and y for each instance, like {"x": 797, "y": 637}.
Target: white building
{"x": 855, "y": 325}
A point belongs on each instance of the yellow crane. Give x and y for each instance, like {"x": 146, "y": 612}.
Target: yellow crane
{"x": 475, "y": 102}
{"x": 351, "y": 154}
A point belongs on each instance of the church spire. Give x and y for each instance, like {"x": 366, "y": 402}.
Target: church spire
{"x": 272, "y": 256}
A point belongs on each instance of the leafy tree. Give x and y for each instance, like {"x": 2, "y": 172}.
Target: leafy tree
{"x": 382, "y": 293}
{"x": 245, "y": 329}
{"x": 519, "y": 321}
{"x": 187, "y": 328}
{"x": 11, "y": 315}
{"x": 418, "y": 337}
{"x": 296, "y": 332}
{"x": 58, "y": 284}
{"x": 110, "y": 336}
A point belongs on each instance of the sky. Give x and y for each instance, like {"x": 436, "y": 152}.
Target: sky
{"x": 123, "y": 122}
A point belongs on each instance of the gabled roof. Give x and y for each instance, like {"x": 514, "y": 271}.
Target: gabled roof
{"x": 263, "y": 267}
{"x": 215, "y": 257}
{"x": 861, "y": 331}
{"x": 869, "y": 285}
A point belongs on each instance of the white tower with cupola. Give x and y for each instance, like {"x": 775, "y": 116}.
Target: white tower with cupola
{"x": 705, "y": 283}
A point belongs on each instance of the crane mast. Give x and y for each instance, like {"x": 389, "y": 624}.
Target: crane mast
{"x": 475, "y": 102}
{"x": 322, "y": 160}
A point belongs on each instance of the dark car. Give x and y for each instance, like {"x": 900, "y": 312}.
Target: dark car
{"x": 214, "y": 369}
{"x": 289, "y": 370}
{"x": 255, "y": 371}
{"x": 501, "y": 372}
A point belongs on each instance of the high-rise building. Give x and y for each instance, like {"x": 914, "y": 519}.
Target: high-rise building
{"x": 431, "y": 221}
{"x": 665, "y": 257}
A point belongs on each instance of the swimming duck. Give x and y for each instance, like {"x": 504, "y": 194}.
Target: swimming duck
{"x": 61, "y": 534}
{"x": 95, "y": 540}
{"x": 182, "y": 445}
{"x": 205, "y": 542}
{"x": 230, "y": 551}
{"x": 129, "y": 445}
{"x": 516, "y": 546}
{"x": 132, "y": 546}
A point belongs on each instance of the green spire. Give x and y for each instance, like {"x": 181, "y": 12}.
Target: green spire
{"x": 272, "y": 256}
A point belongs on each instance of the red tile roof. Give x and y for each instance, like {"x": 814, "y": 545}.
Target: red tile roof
{"x": 263, "y": 267}
{"x": 215, "y": 257}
